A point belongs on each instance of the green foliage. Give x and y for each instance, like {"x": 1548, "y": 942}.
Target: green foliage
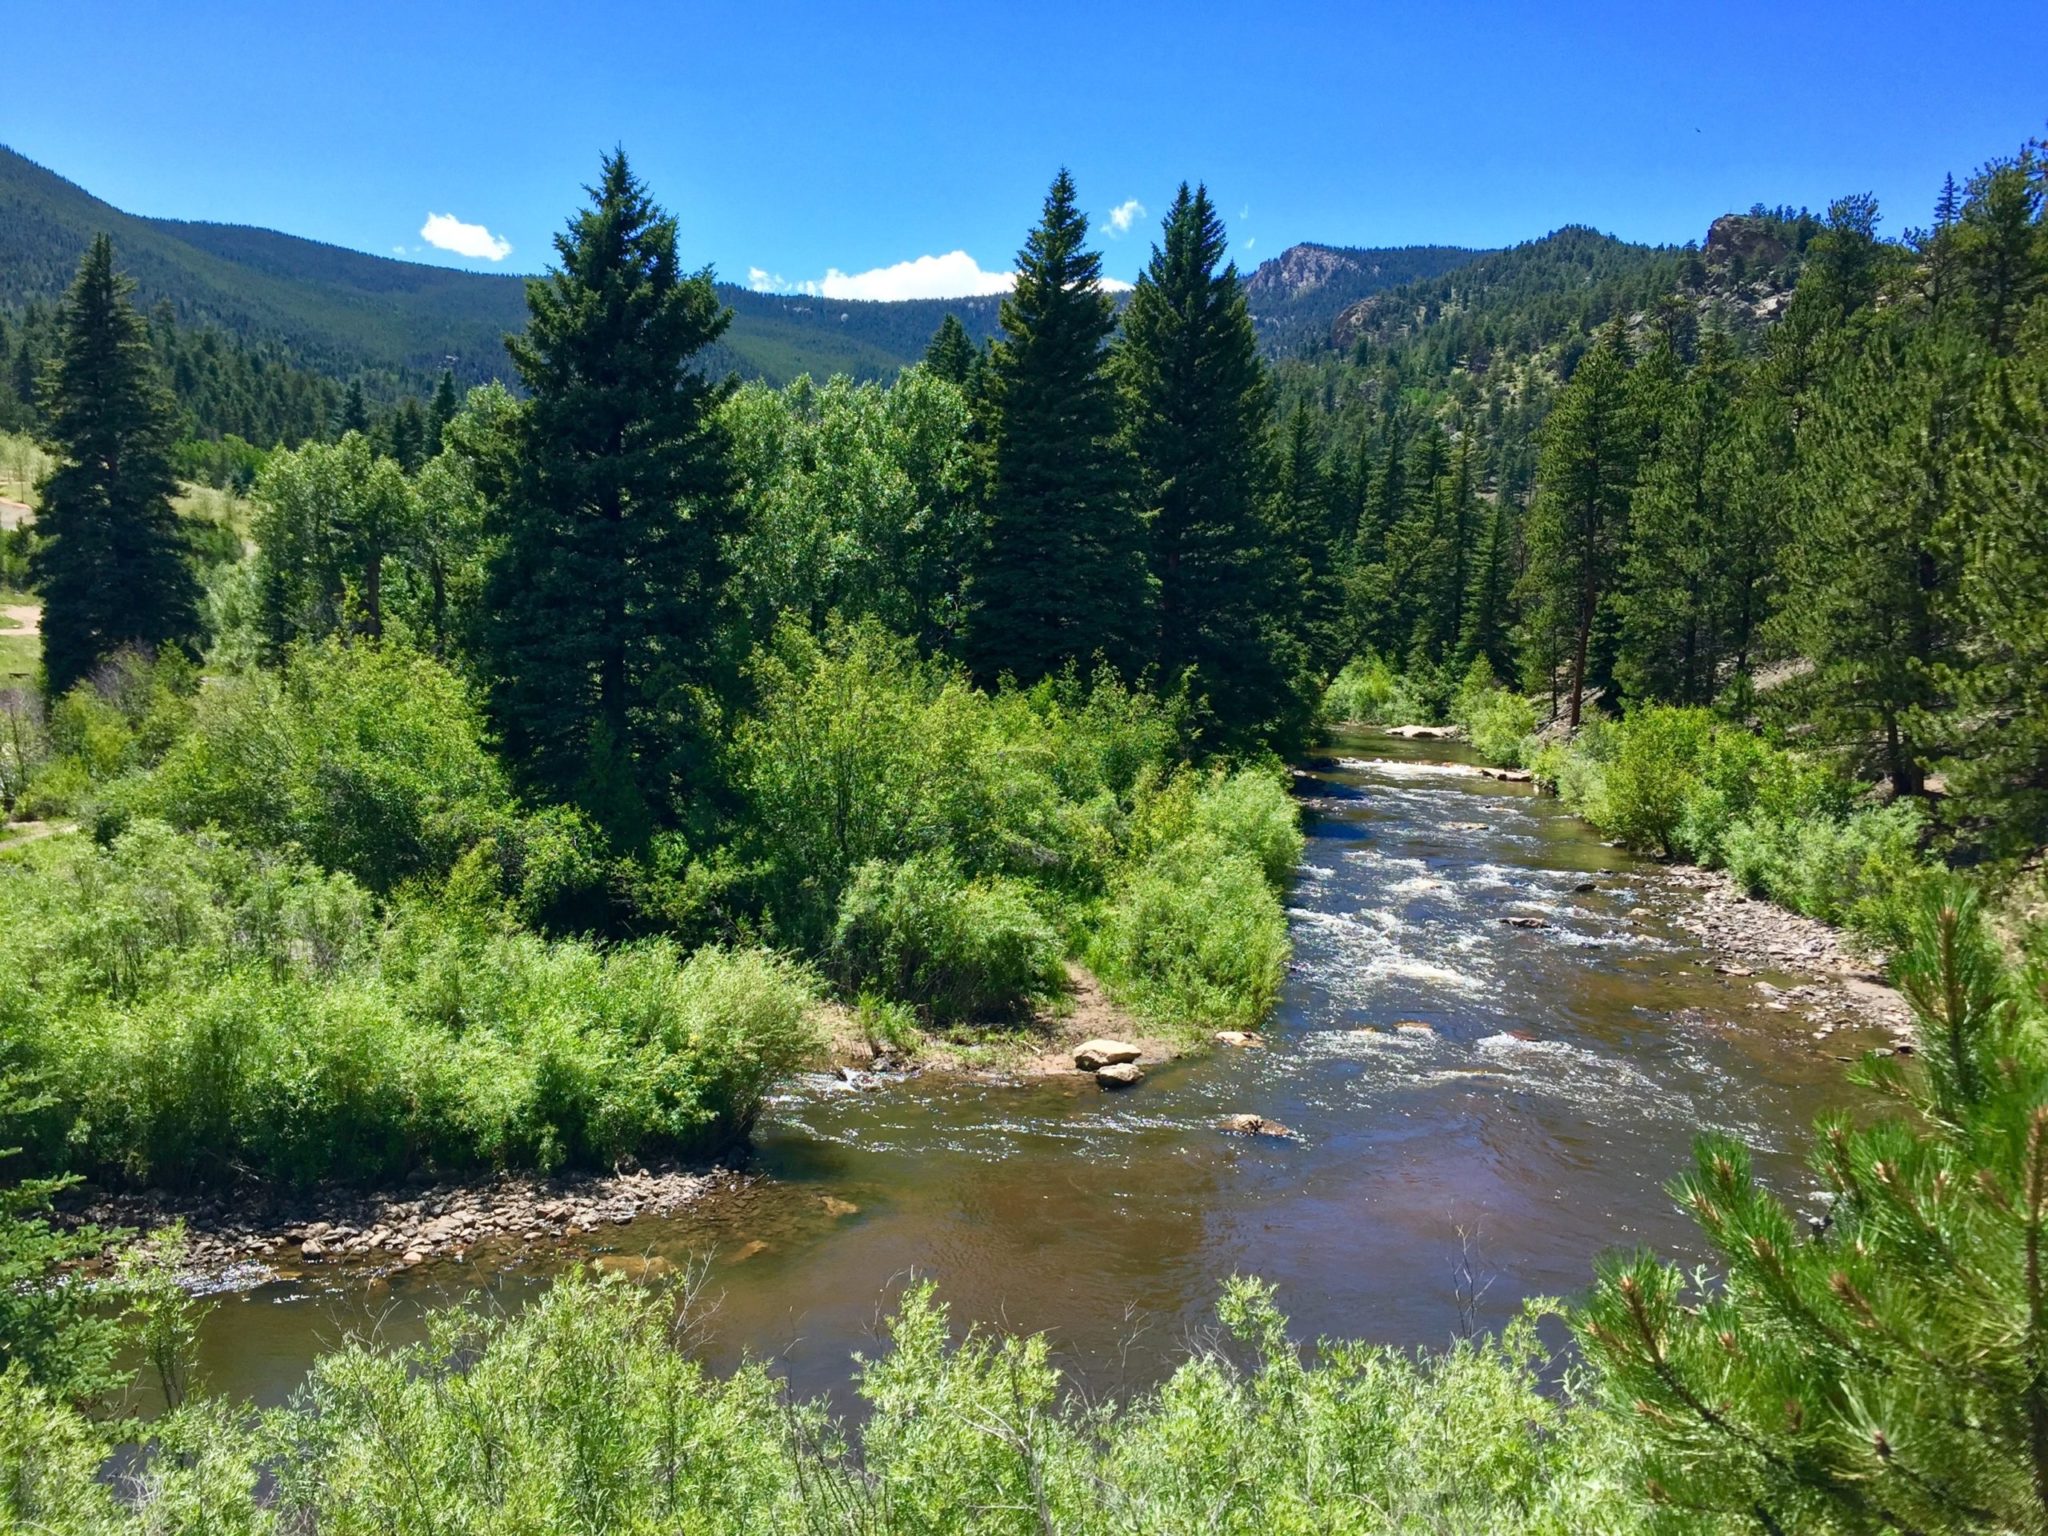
{"x": 190, "y": 1008}
{"x": 1497, "y": 722}
{"x": 369, "y": 758}
{"x": 607, "y": 550}
{"x": 959, "y": 948}
{"x": 1225, "y": 564}
{"x": 1368, "y": 691}
{"x": 1195, "y": 933}
{"x": 110, "y": 561}
{"x": 1883, "y": 1373}
{"x": 1687, "y": 783}
{"x": 50, "y": 1331}
{"x": 331, "y": 518}
{"x": 1062, "y": 580}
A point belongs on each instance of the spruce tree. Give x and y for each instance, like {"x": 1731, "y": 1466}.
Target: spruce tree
{"x": 441, "y": 411}
{"x": 952, "y": 353}
{"x": 1195, "y": 403}
{"x": 1063, "y": 576}
{"x": 355, "y": 413}
{"x": 608, "y": 542}
{"x": 1578, "y": 526}
{"x": 111, "y": 565}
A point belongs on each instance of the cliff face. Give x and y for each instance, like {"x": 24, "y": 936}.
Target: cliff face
{"x": 1294, "y": 296}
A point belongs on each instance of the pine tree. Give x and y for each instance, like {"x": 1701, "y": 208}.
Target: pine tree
{"x": 1195, "y": 403}
{"x": 1676, "y": 595}
{"x": 1063, "y": 577}
{"x": 408, "y": 435}
{"x": 601, "y": 594}
{"x": 1883, "y": 1372}
{"x": 2001, "y": 246}
{"x": 1872, "y": 560}
{"x": 952, "y": 353}
{"x": 1309, "y": 595}
{"x": 1489, "y": 615}
{"x": 1578, "y": 526}
{"x": 111, "y": 564}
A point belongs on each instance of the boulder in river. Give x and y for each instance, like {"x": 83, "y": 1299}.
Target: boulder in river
{"x": 1257, "y": 1125}
{"x": 1525, "y": 922}
{"x": 1120, "y": 1074}
{"x": 1091, "y": 1055}
{"x": 1424, "y": 732}
{"x": 1243, "y": 1039}
{"x": 1510, "y": 775}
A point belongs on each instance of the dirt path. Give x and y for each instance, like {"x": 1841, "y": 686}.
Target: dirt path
{"x": 25, "y": 619}
{"x": 14, "y": 513}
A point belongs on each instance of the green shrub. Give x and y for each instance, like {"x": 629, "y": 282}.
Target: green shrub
{"x": 1250, "y": 812}
{"x": 924, "y": 933}
{"x": 369, "y": 758}
{"x": 190, "y": 1009}
{"x": 1368, "y": 691}
{"x": 1497, "y": 723}
{"x": 1195, "y": 936}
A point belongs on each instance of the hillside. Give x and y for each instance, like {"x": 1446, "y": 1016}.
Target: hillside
{"x": 1296, "y": 295}
{"x": 342, "y": 312}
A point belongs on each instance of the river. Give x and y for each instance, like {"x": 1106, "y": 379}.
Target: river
{"x": 1440, "y": 1175}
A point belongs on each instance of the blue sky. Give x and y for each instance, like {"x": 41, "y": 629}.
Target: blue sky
{"x": 802, "y": 141}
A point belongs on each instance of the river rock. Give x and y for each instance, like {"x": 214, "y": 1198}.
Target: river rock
{"x": 313, "y": 1248}
{"x": 635, "y": 1266}
{"x": 1510, "y": 775}
{"x": 1415, "y": 1027}
{"x": 1424, "y": 732}
{"x": 1092, "y": 1055}
{"x": 1243, "y": 1039}
{"x": 1257, "y": 1125}
{"x": 1120, "y": 1074}
{"x": 1525, "y": 922}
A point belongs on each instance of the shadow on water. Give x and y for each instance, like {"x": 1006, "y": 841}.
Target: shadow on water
{"x": 1546, "y": 1084}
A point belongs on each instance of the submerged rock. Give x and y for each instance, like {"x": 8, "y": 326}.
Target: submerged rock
{"x": 1243, "y": 1039}
{"x": 1257, "y": 1125}
{"x": 1091, "y": 1055}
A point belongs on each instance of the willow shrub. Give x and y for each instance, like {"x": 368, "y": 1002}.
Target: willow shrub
{"x": 188, "y": 1009}
{"x": 958, "y": 948}
{"x": 1686, "y": 783}
{"x": 585, "y": 1414}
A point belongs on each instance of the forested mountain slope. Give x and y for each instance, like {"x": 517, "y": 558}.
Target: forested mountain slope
{"x": 343, "y": 313}
{"x": 1296, "y": 295}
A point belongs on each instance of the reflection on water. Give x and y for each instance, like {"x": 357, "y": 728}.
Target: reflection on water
{"x": 1448, "y": 1071}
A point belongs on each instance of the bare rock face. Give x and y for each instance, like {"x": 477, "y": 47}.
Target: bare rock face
{"x": 1257, "y": 1125}
{"x": 1740, "y": 239}
{"x": 1092, "y": 1055}
{"x": 1121, "y": 1074}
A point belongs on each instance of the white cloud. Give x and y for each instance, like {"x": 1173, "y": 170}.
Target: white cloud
{"x": 1123, "y": 216}
{"x": 446, "y": 232}
{"x": 955, "y": 275}
{"x": 1254, "y": 240}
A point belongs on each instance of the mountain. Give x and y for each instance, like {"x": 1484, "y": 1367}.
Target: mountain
{"x": 343, "y": 313}
{"x": 1296, "y": 295}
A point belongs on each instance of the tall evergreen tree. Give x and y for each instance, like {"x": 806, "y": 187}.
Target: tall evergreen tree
{"x": 441, "y": 411}
{"x": 1872, "y": 559}
{"x": 608, "y": 559}
{"x": 1195, "y": 404}
{"x": 952, "y": 353}
{"x": 355, "y": 413}
{"x": 1063, "y": 577}
{"x": 1578, "y": 525}
{"x": 111, "y": 564}
{"x": 1683, "y": 556}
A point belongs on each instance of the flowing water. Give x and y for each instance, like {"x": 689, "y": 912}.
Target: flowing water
{"x": 1559, "y": 1080}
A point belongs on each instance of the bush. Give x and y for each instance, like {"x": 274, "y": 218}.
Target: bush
{"x": 1368, "y": 691}
{"x": 189, "y": 1009}
{"x": 1195, "y": 936}
{"x": 923, "y": 933}
{"x": 1497, "y": 723}
{"x": 368, "y": 758}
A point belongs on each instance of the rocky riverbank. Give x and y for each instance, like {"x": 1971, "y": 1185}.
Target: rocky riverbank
{"x": 1837, "y": 980}
{"x": 246, "y": 1240}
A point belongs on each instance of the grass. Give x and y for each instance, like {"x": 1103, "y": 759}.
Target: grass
{"x": 21, "y": 654}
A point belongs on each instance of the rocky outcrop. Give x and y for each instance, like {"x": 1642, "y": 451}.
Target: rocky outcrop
{"x": 1746, "y": 244}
